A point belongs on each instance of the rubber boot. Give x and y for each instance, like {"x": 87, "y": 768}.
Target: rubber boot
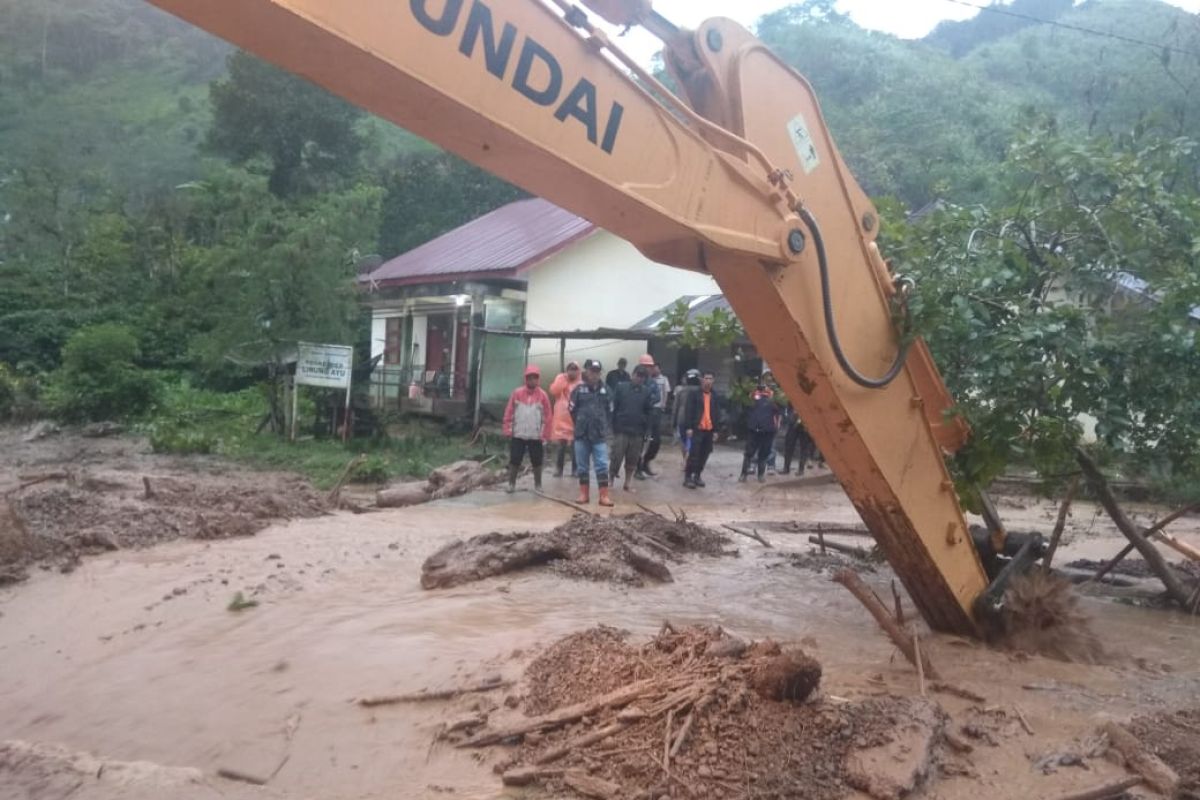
{"x": 762, "y": 469}
{"x": 585, "y": 494}
{"x": 688, "y": 483}
{"x": 512, "y": 478}
{"x": 559, "y": 460}
{"x": 605, "y": 500}
{"x": 537, "y": 479}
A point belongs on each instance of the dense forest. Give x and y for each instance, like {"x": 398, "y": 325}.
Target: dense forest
{"x": 192, "y": 208}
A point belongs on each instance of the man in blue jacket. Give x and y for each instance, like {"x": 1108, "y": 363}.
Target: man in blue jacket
{"x": 591, "y": 410}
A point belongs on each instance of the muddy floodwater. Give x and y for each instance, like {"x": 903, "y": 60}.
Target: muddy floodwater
{"x": 136, "y": 657}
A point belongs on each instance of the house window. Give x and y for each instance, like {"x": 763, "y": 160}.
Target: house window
{"x": 393, "y": 339}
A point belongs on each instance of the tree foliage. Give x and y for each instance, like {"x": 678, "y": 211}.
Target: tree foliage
{"x": 1069, "y": 306}
{"x": 308, "y": 135}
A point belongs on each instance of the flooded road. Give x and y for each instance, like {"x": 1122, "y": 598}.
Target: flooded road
{"x": 136, "y": 657}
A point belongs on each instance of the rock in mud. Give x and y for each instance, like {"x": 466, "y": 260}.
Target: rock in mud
{"x": 45, "y": 770}
{"x": 896, "y": 769}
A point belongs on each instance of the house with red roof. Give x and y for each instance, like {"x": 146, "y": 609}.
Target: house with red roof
{"x": 454, "y": 320}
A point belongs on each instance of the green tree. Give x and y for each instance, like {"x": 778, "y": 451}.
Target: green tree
{"x": 1071, "y": 302}
{"x": 99, "y": 378}
{"x": 309, "y": 136}
{"x": 427, "y": 194}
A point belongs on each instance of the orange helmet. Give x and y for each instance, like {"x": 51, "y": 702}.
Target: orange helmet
{"x": 532, "y": 369}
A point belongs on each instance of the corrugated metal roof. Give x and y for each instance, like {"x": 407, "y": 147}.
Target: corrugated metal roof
{"x": 498, "y": 244}
{"x": 698, "y": 304}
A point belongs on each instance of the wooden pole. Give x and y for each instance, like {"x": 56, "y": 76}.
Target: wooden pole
{"x": 295, "y": 404}
{"x": 1144, "y": 546}
{"x": 562, "y": 354}
{"x": 899, "y": 637}
{"x": 479, "y": 378}
{"x": 1061, "y": 523}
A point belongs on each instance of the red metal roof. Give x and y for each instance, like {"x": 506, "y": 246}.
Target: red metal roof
{"x": 497, "y": 245}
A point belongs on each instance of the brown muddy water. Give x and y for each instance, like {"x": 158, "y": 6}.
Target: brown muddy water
{"x": 135, "y": 657}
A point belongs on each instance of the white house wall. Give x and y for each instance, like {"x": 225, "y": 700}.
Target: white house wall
{"x": 600, "y": 282}
{"x": 378, "y": 335}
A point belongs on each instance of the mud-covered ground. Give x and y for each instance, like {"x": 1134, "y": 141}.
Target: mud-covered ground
{"x": 66, "y": 495}
{"x": 136, "y": 657}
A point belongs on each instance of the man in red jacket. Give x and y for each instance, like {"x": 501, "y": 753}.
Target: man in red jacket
{"x": 527, "y": 423}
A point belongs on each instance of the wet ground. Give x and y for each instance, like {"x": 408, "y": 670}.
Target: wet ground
{"x": 135, "y": 656}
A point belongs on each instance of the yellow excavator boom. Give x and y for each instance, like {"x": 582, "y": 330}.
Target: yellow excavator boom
{"x": 739, "y": 178}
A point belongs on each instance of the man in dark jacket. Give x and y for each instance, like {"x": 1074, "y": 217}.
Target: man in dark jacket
{"x": 762, "y": 423}
{"x": 702, "y": 419}
{"x": 632, "y": 404}
{"x": 591, "y": 410}
{"x": 617, "y": 376}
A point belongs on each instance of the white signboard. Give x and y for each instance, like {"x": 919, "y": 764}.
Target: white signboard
{"x": 326, "y": 365}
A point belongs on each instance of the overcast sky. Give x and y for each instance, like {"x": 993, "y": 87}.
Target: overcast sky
{"x": 907, "y": 18}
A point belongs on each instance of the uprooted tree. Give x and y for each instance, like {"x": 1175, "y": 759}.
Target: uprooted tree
{"x": 1070, "y": 310}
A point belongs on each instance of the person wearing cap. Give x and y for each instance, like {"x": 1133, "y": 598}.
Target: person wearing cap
{"x": 591, "y": 411}
{"x": 527, "y": 424}
{"x": 632, "y": 403}
{"x": 762, "y": 423}
{"x": 562, "y": 430}
{"x": 689, "y": 384}
{"x": 660, "y": 390}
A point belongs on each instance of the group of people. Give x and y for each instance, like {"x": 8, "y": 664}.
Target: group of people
{"x": 617, "y": 421}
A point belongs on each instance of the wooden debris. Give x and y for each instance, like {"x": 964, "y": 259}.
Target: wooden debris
{"x": 567, "y": 503}
{"x": 442, "y": 694}
{"x": 1021, "y": 718}
{"x": 1150, "y": 767}
{"x": 149, "y": 493}
{"x": 242, "y": 777}
{"x": 1149, "y": 552}
{"x": 591, "y": 786}
{"x": 1060, "y": 524}
{"x": 523, "y": 776}
{"x": 598, "y": 735}
{"x": 856, "y": 587}
{"x": 336, "y": 491}
{"x": 1105, "y": 792}
{"x": 34, "y": 480}
{"x": 559, "y": 717}
{"x": 698, "y": 709}
{"x": 958, "y": 691}
{"x": 916, "y": 640}
{"x": 899, "y": 605}
{"x": 753, "y": 535}
{"x": 957, "y": 743}
{"x": 846, "y": 549}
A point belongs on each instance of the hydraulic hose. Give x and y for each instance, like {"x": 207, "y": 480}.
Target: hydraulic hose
{"x": 831, "y": 329}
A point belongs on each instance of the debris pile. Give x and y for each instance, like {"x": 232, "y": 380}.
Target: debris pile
{"x": 60, "y": 517}
{"x": 451, "y": 480}
{"x": 700, "y": 713}
{"x": 1174, "y": 737}
{"x": 622, "y": 549}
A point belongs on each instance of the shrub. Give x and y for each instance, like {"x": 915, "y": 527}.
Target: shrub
{"x": 372, "y": 469}
{"x": 99, "y": 379}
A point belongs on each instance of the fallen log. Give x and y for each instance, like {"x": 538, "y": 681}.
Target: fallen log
{"x": 1105, "y": 792}
{"x": 34, "y": 480}
{"x": 442, "y": 694}
{"x": 614, "y": 699}
{"x": 591, "y": 786}
{"x": 1150, "y": 767}
{"x": 579, "y": 742}
{"x": 1149, "y": 552}
{"x": 567, "y": 503}
{"x": 845, "y": 549}
{"x": 957, "y": 691}
{"x": 523, "y": 776}
{"x": 748, "y": 534}
{"x": 899, "y": 637}
{"x": 1153, "y": 530}
{"x": 403, "y": 494}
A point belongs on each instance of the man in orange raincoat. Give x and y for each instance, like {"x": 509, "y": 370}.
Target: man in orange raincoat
{"x": 527, "y": 422}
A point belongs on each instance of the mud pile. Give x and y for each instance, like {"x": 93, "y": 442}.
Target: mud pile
{"x": 698, "y": 713}
{"x": 64, "y": 518}
{"x": 1042, "y": 615}
{"x": 622, "y": 549}
{"x": 1175, "y": 738}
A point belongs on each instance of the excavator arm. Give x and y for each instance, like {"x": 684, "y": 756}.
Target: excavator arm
{"x": 740, "y": 178}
